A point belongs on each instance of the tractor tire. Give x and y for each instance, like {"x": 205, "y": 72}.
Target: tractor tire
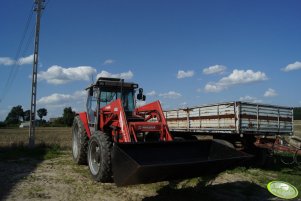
{"x": 79, "y": 142}
{"x": 99, "y": 157}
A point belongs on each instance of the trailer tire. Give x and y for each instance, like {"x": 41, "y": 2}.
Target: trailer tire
{"x": 99, "y": 157}
{"x": 79, "y": 142}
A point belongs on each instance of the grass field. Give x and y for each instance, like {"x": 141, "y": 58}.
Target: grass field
{"x": 48, "y": 172}
{"x": 60, "y": 136}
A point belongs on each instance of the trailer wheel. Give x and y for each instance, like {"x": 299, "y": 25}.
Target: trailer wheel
{"x": 99, "y": 157}
{"x": 79, "y": 142}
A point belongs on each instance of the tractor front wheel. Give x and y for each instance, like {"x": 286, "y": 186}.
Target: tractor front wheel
{"x": 79, "y": 142}
{"x": 99, "y": 157}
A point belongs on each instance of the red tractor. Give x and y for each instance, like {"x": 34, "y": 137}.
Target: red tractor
{"x": 130, "y": 145}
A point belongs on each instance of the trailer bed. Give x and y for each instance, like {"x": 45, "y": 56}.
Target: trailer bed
{"x": 235, "y": 117}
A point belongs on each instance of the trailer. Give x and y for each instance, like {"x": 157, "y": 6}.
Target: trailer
{"x": 235, "y": 118}
{"x": 251, "y": 127}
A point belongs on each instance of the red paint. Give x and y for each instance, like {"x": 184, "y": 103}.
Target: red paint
{"x": 113, "y": 118}
{"x": 84, "y": 119}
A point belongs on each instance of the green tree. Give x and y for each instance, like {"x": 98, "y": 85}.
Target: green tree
{"x": 297, "y": 113}
{"x": 58, "y": 122}
{"x": 2, "y": 124}
{"x": 68, "y": 116}
{"x": 26, "y": 115}
{"x": 15, "y": 115}
{"x": 42, "y": 112}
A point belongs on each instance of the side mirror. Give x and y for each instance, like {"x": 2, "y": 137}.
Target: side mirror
{"x": 140, "y": 95}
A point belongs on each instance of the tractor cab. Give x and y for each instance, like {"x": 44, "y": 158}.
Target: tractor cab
{"x": 107, "y": 90}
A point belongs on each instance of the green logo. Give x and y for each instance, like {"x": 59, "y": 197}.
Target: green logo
{"x": 282, "y": 189}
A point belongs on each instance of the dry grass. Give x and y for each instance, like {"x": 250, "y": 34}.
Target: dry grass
{"x": 297, "y": 127}
{"x": 44, "y": 136}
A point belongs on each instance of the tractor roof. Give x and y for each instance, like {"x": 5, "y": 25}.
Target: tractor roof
{"x": 113, "y": 82}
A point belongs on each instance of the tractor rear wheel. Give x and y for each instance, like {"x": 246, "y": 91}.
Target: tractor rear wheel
{"x": 99, "y": 157}
{"x": 79, "y": 142}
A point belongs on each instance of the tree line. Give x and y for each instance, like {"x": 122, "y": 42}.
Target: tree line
{"x": 17, "y": 115}
{"x": 297, "y": 113}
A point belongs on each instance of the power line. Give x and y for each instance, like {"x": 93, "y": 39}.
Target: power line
{"x": 14, "y": 70}
{"x": 25, "y": 31}
{"x": 29, "y": 41}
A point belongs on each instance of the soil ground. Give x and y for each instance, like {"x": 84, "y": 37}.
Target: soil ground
{"x": 60, "y": 179}
{"x": 50, "y": 174}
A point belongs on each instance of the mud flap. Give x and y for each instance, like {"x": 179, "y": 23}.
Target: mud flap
{"x": 152, "y": 162}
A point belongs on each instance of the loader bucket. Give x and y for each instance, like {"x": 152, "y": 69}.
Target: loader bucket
{"x": 152, "y": 162}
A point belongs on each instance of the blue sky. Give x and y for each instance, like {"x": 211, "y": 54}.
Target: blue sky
{"x": 184, "y": 53}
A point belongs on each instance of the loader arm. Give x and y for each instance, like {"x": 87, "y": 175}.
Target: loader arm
{"x": 154, "y": 111}
{"x": 113, "y": 117}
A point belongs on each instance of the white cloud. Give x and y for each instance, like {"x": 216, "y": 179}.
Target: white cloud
{"x": 25, "y": 60}
{"x": 237, "y": 77}
{"x": 54, "y": 99}
{"x": 293, "y": 66}
{"x": 182, "y": 74}
{"x": 61, "y": 99}
{"x": 213, "y": 87}
{"x": 243, "y": 77}
{"x": 56, "y": 102}
{"x": 151, "y": 93}
{"x": 108, "y": 62}
{"x": 170, "y": 95}
{"x": 250, "y": 99}
{"x": 59, "y": 75}
{"x": 214, "y": 69}
{"x": 126, "y": 75}
{"x": 6, "y": 61}
{"x": 270, "y": 93}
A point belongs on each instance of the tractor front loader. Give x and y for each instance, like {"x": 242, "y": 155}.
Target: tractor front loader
{"x": 130, "y": 145}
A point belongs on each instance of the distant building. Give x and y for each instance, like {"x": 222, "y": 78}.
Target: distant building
{"x": 52, "y": 120}
{"x": 25, "y": 124}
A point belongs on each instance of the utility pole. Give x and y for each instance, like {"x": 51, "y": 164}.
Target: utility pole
{"x": 38, "y": 10}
